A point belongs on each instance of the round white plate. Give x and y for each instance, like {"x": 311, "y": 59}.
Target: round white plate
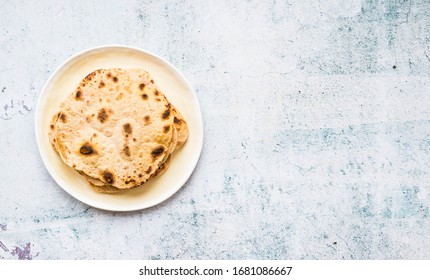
{"x": 171, "y": 82}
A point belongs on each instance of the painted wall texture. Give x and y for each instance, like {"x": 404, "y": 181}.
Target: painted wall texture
{"x": 317, "y": 130}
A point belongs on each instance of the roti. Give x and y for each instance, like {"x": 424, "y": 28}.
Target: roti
{"x": 180, "y": 126}
{"x": 117, "y": 129}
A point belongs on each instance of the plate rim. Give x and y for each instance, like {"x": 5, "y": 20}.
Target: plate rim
{"x": 37, "y": 126}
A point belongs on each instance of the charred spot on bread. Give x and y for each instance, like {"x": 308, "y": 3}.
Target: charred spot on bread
{"x": 90, "y": 76}
{"x": 108, "y": 176}
{"x": 157, "y": 151}
{"x": 87, "y": 149}
{"x": 103, "y": 115}
{"x": 127, "y": 128}
{"x": 166, "y": 114}
{"x": 130, "y": 181}
{"x": 78, "y": 95}
{"x": 62, "y": 117}
{"x": 126, "y": 151}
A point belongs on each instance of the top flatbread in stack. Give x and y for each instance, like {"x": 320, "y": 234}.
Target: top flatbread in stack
{"x": 117, "y": 129}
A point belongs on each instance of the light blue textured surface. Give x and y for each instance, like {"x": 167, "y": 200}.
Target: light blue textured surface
{"x": 317, "y": 130}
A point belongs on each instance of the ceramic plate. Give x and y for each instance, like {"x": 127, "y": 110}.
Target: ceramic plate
{"x": 171, "y": 82}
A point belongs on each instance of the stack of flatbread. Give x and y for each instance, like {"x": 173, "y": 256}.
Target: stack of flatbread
{"x": 117, "y": 129}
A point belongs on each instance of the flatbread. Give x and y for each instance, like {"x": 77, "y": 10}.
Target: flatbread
{"x": 181, "y": 128}
{"x": 180, "y": 136}
{"x": 117, "y": 128}
{"x": 108, "y": 189}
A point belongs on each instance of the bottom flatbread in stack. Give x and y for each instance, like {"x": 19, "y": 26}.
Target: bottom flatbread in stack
{"x": 117, "y": 129}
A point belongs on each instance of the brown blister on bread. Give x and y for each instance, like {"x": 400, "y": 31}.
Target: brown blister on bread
{"x": 127, "y": 128}
{"x": 126, "y": 151}
{"x": 108, "y": 177}
{"x": 103, "y": 115}
{"x": 87, "y": 149}
{"x": 148, "y": 170}
{"x": 78, "y": 95}
{"x": 62, "y": 117}
{"x": 90, "y": 76}
{"x": 157, "y": 151}
{"x": 166, "y": 114}
{"x": 130, "y": 181}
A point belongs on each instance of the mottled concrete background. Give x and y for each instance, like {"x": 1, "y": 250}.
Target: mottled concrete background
{"x": 317, "y": 123}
